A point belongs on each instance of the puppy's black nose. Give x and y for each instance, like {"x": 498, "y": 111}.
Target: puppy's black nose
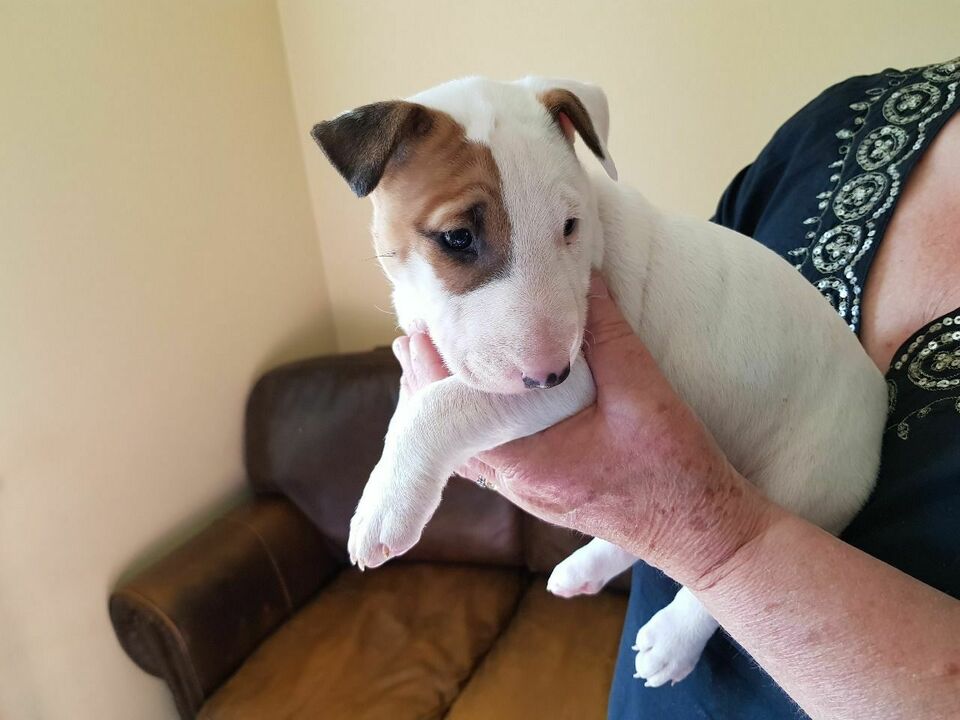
{"x": 551, "y": 380}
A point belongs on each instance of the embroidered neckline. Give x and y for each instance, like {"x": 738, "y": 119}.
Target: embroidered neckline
{"x": 865, "y": 182}
{"x": 930, "y": 362}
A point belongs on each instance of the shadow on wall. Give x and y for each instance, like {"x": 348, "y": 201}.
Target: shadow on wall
{"x": 186, "y": 529}
{"x": 302, "y": 342}
{"x": 364, "y": 327}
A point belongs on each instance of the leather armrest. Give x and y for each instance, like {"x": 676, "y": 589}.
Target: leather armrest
{"x": 194, "y": 616}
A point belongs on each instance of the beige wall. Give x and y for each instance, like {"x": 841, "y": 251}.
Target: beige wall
{"x": 157, "y": 251}
{"x": 696, "y": 86}
{"x": 158, "y": 247}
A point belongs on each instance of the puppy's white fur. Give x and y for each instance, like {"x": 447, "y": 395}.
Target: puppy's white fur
{"x": 772, "y": 371}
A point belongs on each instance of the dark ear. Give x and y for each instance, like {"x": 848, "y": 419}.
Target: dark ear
{"x": 577, "y": 106}
{"x": 360, "y": 143}
{"x": 561, "y": 102}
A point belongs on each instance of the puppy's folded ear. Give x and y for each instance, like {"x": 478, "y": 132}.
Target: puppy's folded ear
{"x": 584, "y": 107}
{"x": 361, "y": 142}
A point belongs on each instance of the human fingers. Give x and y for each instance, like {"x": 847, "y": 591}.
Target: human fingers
{"x": 426, "y": 364}
{"x": 616, "y": 355}
{"x": 401, "y": 351}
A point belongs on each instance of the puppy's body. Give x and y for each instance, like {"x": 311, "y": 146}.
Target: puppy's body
{"x": 771, "y": 370}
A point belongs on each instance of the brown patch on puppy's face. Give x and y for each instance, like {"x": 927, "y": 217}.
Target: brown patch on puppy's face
{"x": 441, "y": 198}
{"x": 484, "y": 220}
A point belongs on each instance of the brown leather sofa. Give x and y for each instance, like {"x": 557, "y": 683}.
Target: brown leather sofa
{"x": 260, "y": 617}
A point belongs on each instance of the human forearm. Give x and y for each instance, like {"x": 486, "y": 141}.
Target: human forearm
{"x": 845, "y": 635}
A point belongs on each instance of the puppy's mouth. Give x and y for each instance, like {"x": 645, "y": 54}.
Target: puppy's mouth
{"x": 489, "y": 366}
{"x": 509, "y": 378}
{"x": 491, "y": 382}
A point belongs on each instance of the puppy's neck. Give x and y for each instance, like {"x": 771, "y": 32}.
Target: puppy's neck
{"x": 630, "y": 231}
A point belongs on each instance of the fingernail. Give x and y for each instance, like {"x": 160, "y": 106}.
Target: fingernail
{"x": 415, "y": 341}
{"x": 598, "y": 287}
{"x": 395, "y": 346}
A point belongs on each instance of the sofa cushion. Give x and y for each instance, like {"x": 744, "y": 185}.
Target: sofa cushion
{"x": 396, "y": 642}
{"x": 555, "y": 661}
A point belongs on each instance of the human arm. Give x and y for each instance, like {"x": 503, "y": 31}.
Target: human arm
{"x": 845, "y": 635}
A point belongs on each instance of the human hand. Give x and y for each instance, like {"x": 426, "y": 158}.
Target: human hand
{"x": 636, "y": 468}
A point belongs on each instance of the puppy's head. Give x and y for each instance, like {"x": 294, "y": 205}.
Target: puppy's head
{"x": 484, "y": 220}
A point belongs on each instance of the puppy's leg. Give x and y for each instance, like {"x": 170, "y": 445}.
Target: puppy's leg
{"x": 588, "y": 569}
{"x": 670, "y": 644}
{"x": 431, "y": 434}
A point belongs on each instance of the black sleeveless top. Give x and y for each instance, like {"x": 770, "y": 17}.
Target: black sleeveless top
{"x": 821, "y": 195}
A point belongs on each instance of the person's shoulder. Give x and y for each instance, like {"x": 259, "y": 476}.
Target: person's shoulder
{"x": 803, "y": 141}
{"x": 832, "y": 105}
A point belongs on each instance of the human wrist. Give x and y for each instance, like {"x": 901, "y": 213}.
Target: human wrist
{"x": 717, "y": 535}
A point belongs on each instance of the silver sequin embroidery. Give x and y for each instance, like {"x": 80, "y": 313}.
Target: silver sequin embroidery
{"x": 932, "y": 363}
{"x": 851, "y": 209}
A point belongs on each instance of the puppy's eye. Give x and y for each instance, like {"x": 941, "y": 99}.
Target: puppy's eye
{"x": 569, "y": 226}
{"x": 459, "y": 239}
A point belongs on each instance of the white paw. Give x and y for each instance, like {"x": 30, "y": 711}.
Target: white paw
{"x": 573, "y": 577}
{"x": 668, "y": 647}
{"x": 387, "y": 522}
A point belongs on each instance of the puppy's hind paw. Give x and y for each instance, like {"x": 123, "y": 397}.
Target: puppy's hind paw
{"x": 571, "y": 578}
{"x": 667, "y": 651}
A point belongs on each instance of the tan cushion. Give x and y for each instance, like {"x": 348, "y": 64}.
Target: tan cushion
{"x": 397, "y": 642}
{"x": 554, "y": 661}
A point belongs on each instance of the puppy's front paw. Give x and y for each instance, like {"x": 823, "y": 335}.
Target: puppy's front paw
{"x": 365, "y": 545}
{"x": 668, "y": 648}
{"x": 574, "y": 577}
{"x": 387, "y": 522}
